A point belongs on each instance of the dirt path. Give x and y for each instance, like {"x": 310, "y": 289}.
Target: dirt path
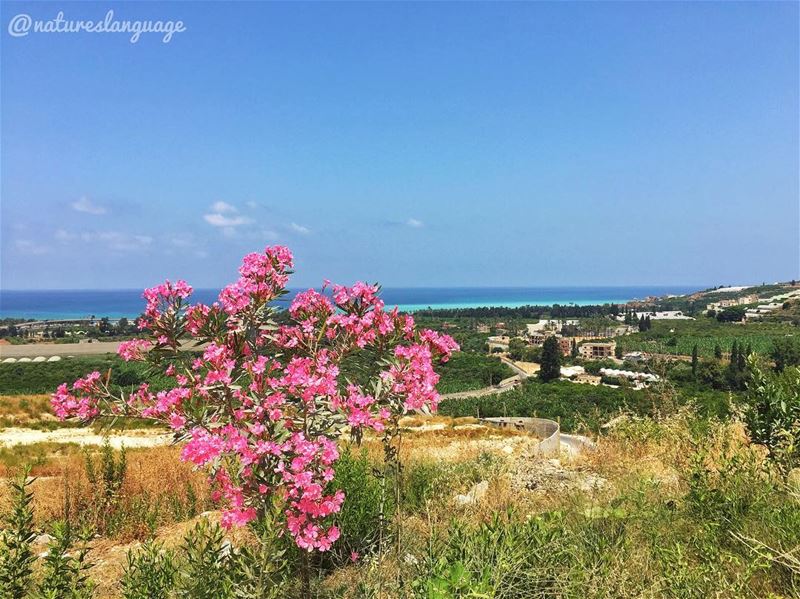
{"x": 481, "y": 392}
{"x": 33, "y": 350}
{"x": 10, "y": 437}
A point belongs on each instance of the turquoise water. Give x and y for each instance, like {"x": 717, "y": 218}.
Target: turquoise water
{"x": 116, "y": 303}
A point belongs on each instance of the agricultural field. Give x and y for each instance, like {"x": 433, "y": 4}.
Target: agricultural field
{"x": 679, "y": 337}
{"x": 471, "y": 371}
{"x": 44, "y": 377}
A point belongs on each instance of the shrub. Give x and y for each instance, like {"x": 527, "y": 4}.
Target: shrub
{"x": 205, "y": 565}
{"x": 149, "y": 573}
{"x": 360, "y": 518}
{"x": 16, "y": 555}
{"x": 65, "y": 569}
{"x": 771, "y": 412}
{"x": 105, "y": 482}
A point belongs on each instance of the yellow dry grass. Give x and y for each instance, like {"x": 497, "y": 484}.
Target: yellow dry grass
{"x": 153, "y": 474}
{"x": 22, "y": 410}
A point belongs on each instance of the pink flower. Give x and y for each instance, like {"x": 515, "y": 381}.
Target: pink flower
{"x": 237, "y": 517}
{"x": 133, "y": 350}
{"x": 202, "y": 448}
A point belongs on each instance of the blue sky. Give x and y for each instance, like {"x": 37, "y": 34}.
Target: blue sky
{"x": 413, "y": 144}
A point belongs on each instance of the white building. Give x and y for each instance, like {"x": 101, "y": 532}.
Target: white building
{"x": 546, "y": 324}
{"x": 570, "y": 371}
{"x": 664, "y": 315}
{"x": 630, "y": 375}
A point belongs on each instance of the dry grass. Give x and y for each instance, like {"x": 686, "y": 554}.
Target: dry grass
{"x": 158, "y": 488}
{"x": 25, "y": 410}
{"x": 445, "y": 438}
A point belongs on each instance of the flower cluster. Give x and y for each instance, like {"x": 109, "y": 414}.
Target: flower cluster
{"x": 261, "y": 406}
{"x": 84, "y": 404}
{"x": 134, "y": 349}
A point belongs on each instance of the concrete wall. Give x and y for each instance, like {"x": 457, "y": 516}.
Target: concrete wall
{"x": 547, "y": 431}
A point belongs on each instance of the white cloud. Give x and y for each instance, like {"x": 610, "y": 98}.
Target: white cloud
{"x": 300, "y": 229}
{"x": 222, "y": 207}
{"x": 31, "y": 248}
{"x": 226, "y": 216}
{"x": 413, "y": 222}
{"x": 220, "y": 220}
{"x": 86, "y": 205}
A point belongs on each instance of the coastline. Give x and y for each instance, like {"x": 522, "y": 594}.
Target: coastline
{"x": 127, "y": 303}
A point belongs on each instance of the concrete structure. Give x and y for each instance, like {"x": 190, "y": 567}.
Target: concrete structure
{"x": 587, "y": 379}
{"x": 553, "y": 325}
{"x": 537, "y": 339}
{"x": 634, "y": 356}
{"x": 565, "y": 345}
{"x": 729, "y": 303}
{"x": 498, "y": 342}
{"x": 630, "y": 375}
{"x": 594, "y": 350}
{"x": 547, "y": 431}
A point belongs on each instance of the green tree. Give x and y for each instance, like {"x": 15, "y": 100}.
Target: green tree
{"x": 717, "y": 352}
{"x": 551, "y": 361}
{"x": 516, "y": 349}
{"x": 785, "y": 352}
{"x": 123, "y": 326}
{"x": 695, "y": 360}
{"x": 735, "y": 314}
{"x": 574, "y": 349}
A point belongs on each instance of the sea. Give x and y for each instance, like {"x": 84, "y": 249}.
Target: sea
{"x": 118, "y": 303}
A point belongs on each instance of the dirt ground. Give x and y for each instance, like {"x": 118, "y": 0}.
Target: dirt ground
{"x": 10, "y": 437}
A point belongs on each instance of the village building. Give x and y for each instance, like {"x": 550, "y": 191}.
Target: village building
{"x": 550, "y": 325}
{"x": 498, "y": 343}
{"x": 587, "y": 379}
{"x": 634, "y": 356}
{"x": 597, "y": 350}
